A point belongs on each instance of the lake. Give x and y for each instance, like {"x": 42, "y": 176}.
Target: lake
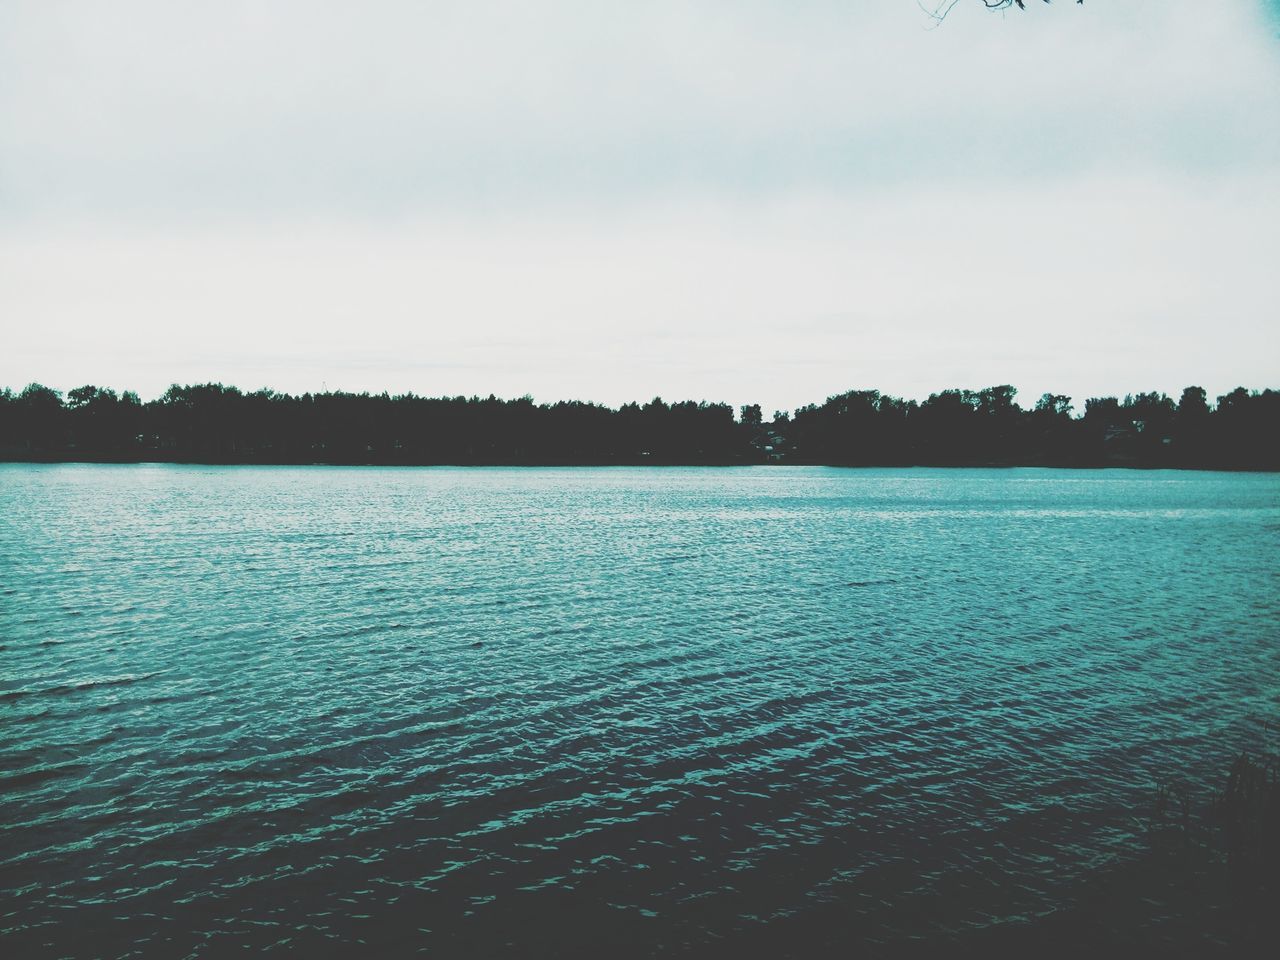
{"x": 347, "y": 711}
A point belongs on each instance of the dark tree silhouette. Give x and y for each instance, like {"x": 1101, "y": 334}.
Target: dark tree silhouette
{"x": 214, "y": 423}
{"x": 1191, "y": 426}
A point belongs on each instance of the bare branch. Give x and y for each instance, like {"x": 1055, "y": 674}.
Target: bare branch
{"x": 943, "y": 7}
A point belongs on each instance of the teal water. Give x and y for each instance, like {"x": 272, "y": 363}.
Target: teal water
{"x": 330, "y": 711}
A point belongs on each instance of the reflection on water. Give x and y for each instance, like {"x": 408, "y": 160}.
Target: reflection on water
{"x": 591, "y": 709}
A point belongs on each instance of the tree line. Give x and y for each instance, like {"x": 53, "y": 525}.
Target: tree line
{"x": 213, "y": 423}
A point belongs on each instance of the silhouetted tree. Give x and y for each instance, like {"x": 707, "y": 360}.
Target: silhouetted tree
{"x": 1050, "y": 438}
{"x": 215, "y": 423}
{"x": 1244, "y": 430}
{"x": 1151, "y": 417}
{"x": 42, "y": 423}
{"x": 1191, "y": 427}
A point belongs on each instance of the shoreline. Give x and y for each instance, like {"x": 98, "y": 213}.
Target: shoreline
{"x": 630, "y": 465}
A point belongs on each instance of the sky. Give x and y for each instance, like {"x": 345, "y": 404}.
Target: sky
{"x": 766, "y": 201}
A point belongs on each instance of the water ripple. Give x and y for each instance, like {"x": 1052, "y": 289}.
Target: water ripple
{"x": 474, "y": 712}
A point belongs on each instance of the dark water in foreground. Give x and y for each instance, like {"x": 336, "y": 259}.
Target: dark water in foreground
{"x": 602, "y": 711}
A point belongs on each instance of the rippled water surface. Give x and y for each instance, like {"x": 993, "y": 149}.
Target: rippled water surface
{"x": 461, "y": 711}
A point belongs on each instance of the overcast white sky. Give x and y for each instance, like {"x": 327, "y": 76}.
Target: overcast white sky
{"x": 740, "y": 200}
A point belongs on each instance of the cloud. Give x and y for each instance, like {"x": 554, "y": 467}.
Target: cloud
{"x": 169, "y": 109}
{"x": 742, "y": 199}
{"x": 1087, "y": 287}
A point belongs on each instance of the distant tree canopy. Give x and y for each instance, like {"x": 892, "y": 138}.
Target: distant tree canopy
{"x": 212, "y": 423}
